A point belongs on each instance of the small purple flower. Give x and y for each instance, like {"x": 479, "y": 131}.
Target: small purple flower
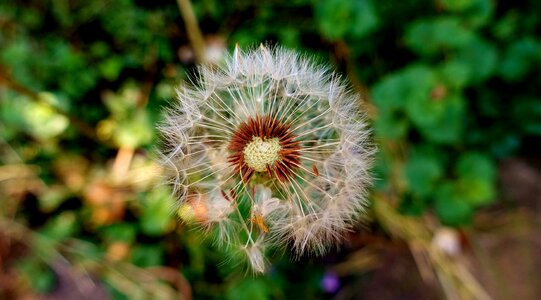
{"x": 330, "y": 282}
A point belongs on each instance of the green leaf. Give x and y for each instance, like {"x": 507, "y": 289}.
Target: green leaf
{"x": 123, "y": 102}
{"x": 122, "y": 232}
{"x": 448, "y": 127}
{"x": 420, "y": 107}
{"x": 505, "y": 27}
{"x": 451, "y": 207}
{"x": 148, "y": 255}
{"x": 422, "y": 171}
{"x": 455, "y": 74}
{"x": 389, "y": 93}
{"x": 413, "y": 90}
{"x": 476, "y": 191}
{"x": 38, "y": 119}
{"x": 52, "y": 197}
{"x": 520, "y": 57}
{"x": 479, "y": 12}
{"x": 391, "y": 126}
{"x": 111, "y": 68}
{"x": 430, "y": 36}
{"x": 62, "y": 226}
{"x": 456, "y": 5}
{"x": 249, "y": 289}
{"x": 476, "y": 165}
{"x": 475, "y": 12}
{"x": 341, "y": 18}
{"x": 99, "y": 49}
{"x": 481, "y": 57}
{"x": 527, "y": 113}
{"x": 438, "y": 117}
{"x": 476, "y": 178}
{"x": 40, "y": 277}
{"x": 157, "y": 212}
{"x": 135, "y": 131}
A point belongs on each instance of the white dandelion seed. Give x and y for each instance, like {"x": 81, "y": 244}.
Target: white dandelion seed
{"x": 277, "y": 149}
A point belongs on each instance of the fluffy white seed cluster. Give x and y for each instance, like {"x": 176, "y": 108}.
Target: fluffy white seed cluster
{"x": 310, "y": 211}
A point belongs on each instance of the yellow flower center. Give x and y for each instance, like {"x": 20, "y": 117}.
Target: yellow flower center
{"x": 259, "y": 153}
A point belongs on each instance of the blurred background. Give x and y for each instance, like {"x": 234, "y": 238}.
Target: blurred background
{"x": 452, "y": 88}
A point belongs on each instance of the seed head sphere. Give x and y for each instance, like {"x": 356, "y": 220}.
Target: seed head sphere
{"x": 269, "y": 150}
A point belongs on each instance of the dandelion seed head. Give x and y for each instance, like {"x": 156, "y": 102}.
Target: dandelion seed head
{"x": 276, "y": 148}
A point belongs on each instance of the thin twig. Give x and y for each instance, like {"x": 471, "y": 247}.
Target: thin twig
{"x": 453, "y": 276}
{"x": 192, "y": 27}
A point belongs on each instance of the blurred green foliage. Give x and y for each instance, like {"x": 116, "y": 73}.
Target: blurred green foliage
{"x": 455, "y": 83}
